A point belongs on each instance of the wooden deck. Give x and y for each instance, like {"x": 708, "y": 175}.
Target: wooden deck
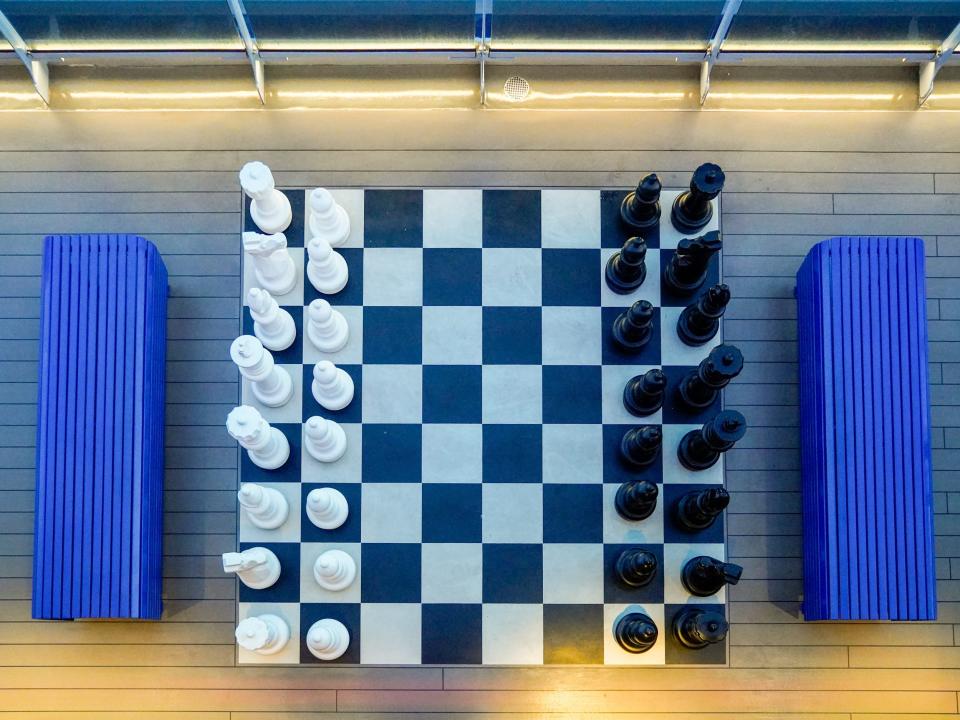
{"x": 793, "y": 179}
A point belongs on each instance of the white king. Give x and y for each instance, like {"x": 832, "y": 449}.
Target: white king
{"x": 267, "y": 447}
{"x": 327, "y": 218}
{"x": 270, "y": 385}
{"x": 272, "y": 324}
{"x": 273, "y": 267}
{"x": 269, "y": 208}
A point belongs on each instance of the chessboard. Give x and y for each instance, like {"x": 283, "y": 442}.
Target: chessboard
{"x": 483, "y": 438}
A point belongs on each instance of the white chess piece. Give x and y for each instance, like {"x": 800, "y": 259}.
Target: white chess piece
{"x": 326, "y": 268}
{"x": 266, "y": 508}
{"x": 269, "y": 208}
{"x": 328, "y": 639}
{"x": 327, "y": 508}
{"x": 332, "y": 387}
{"x": 267, "y": 447}
{"x": 271, "y": 385}
{"x": 326, "y": 327}
{"x": 324, "y": 439}
{"x": 273, "y": 267}
{"x": 263, "y": 634}
{"x": 334, "y": 570}
{"x": 257, "y": 567}
{"x": 328, "y": 219}
{"x": 271, "y": 323}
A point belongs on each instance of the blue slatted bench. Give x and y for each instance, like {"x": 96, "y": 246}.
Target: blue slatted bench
{"x": 98, "y": 515}
{"x": 868, "y": 545}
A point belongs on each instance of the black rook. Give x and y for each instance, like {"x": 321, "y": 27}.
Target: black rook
{"x": 699, "y": 387}
{"x": 636, "y": 499}
{"x": 633, "y": 328}
{"x": 636, "y": 632}
{"x": 643, "y": 394}
{"x": 698, "y": 509}
{"x": 640, "y": 445}
{"x": 704, "y": 576}
{"x": 700, "y": 320}
{"x": 641, "y": 209}
{"x": 636, "y": 567}
{"x": 692, "y": 209}
{"x": 627, "y": 268}
{"x": 687, "y": 269}
{"x": 700, "y": 449}
{"x": 696, "y": 628}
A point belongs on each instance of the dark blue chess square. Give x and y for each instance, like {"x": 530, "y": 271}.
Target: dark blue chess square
{"x": 613, "y": 354}
{"x": 391, "y": 453}
{"x": 452, "y": 394}
{"x": 672, "y": 531}
{"x": 451, "y": 634}
{"x": 573, "y": 634}
{"x": 452, "y": 276}
{"x": 293, "y": 355}
{"x": 513, "y": 573}
{"x": 613, "y": 232}
{"x": 352, "y": 413}
{"x": 348, "y": 532}
{"x": 347, "y": 613}
{"x": 512, "y": 336}
{"x": 393, "y": 335}
{"x": 668, "y": 298}
{"x": 677, "y": 412}
{"x": 571, "y": 277}
{"x": 572, "y": 394}
{"x": 287, "y": 588}
{"x": 294, "y": 232}
{"x": 615, "y": 591}
{"x": 352, "y": 293}
{"x": 511, "y": 218}
{"x": 513, "y": 453}
{"x": 451, "y": 512}
{"x": 391, "y": 572}
{"x": 615, "y": 470}
{"x": 677, "y": 654}
{"x": 393, "y": 218}
{"x": 572, "y": 513}
{"x": 288, "y": 472}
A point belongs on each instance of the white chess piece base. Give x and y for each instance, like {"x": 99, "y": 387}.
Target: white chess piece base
{"x": 331, "y": 338}
{"x": 263, "y": 634}
{"x": 258, "y": 568}
{"x": 327, "y": 508}
{"x": 277, "y": 219}
{"x": 273, "y": 460}
{"x": 328, "y": 448}
{"x": 328, "y": 639}
{"x": 337, "y": 232}
{"x": 336, "y": 398}
{"x": 334, "y": 570}
{"x": 277, "y": 396}
{"x": 271, "y": 514}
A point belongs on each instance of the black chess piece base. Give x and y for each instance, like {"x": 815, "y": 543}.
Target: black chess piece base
{"x": 696, "y": 628}
{"x": 686, "y": 224}
{"x": 618, "y": 285}
{"x": 635, "y": 567}
{"x": 636, "y": 500}
{"x": 704, "y": 576}
{"x": 703, "y": 460}
{"x": 636, "y": 633}
{"x": 688, "y": 334}
{"x": 643, "y": 394}
{"x": 699, "y": 509}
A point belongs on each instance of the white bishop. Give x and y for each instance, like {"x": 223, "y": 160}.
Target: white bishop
{"x": 272, "y": 324}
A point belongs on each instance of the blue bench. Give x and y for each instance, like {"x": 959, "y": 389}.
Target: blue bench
{"x": 99, "y": 495}
{"x": 868, "y": 545}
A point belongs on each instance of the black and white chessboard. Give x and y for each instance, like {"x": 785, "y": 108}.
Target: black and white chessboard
{"x": 483, "y": 437}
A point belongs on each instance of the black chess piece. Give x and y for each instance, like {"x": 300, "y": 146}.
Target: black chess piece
{"x": 699, "y": 388}
{"x": 692, "y": 209}
{"x": 700, "y": 449}
{"x": 640, "y": 445}
{"x": 627, "y": 268}
{"x": 636, "y": 499}
{"x": 696, "y": 628}
{"x": 704, "y": 576}
{"x": 640, "y": 209}
{"x": 700, "y": 321}
{"x": 643, "y": 394}
{"x": 687, "y": 269}
{"x": 636, "y": 633}
{"x": 633, "y": 328}
{"x": 635, "y": 567}
{"x": 698, "y": 509}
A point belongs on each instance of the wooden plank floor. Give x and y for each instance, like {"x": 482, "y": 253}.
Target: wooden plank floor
{"x": 793, "y": 179}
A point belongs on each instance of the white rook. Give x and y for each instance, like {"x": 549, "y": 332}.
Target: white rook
{"x": 266, "y": 508}
{"x": 327, "y": 508}
{"x": 328, "y": 639}
{"x": 269, "y": 208}
{"x": 328, "y": 219}
{"x": 267, "y": 447}
{"x": 332, "y": 387}
{"x": 271, "y": 323}
{"x": 273, "y": 267}
{"x": 334, "y": 570}
{"x": 271, "y": 385}
{"x": 264, "y": 634}
{"x": 326, "y": 268}
{"x": 324, "y": 439}
{"x": 257, "y": 567}
{"x": 326, "y": 327}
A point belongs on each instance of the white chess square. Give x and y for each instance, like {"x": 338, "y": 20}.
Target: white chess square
{"x": 389, "y": 633}
{"x": 672, "y": 348}
{"x": 512, "y": 394}
{"x": 649, "y": 290}
{"x": 670, "y": 237}
{"x": 294, "y": 297}
{"x": 352, "y": 352}
{"x": 288, "y": 532}
{"x": 391, "y": 513}
{"x": 614, "y": 380}
{"x": 512, "y": 634}
{"x": 573, "y": 454}
{"x": 453, "y": 218}
{"x": 393, "y": 276}
{"x": 512, "y": 512}
{"x": 512, "y": 277}
{"x": 345, "y": 470}
{"x": 310, "y": 590}
{"x": 570, "y": 218}
{"x": 673, "y": 471}
{"x": 392, "y": 393}
{"x": 452, "y": 572}
{"x": 572, "y": 573}
{"x": 452, "y": 453}
{"x": 613, "y": 654}
{"x": 290, "y": 614}
{"x": 675, "y": 556}
{"x": 292, "y": 411}
{"x": 452, "y": 335}
{"x": 572, "y": 336}
{"x": 618, "y": 531}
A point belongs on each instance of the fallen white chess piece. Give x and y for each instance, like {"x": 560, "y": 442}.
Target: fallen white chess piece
{"x": 266, "y": 446}
{"x": 328, "y": 219}
{"x": 269, "y": 208}
{"x": 257, "y": 567}
{"x": 263, "y": 634}
{"x": 271, "y": 323}
{"x": 273, "y": 267}
{"x": 328, "y": 639}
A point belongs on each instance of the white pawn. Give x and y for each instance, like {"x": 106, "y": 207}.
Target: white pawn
{"x": 327, "y": 508}
{"x": 327, "y": 328}
{"x": 271, "y": 323}
{"x": 269, "y": 208}
{"x": 272, "y": 265}
{"x": 328, "y": 639}
{"x": 257, "y": 567}
{"x": 326, "y": 268}
{"x": 327, "y": 218}
{"x": 266, "y": 508}
{"x": 271, "y": 385}
{"x": 332, "y": 387}
{"x": 263, "y": 634}
{"x": 334, "y": 570}
{"x": 267, "y": 447}
{"x": 324, "y": 439}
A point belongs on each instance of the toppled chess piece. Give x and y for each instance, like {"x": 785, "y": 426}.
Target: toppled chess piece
{"x": 257, "y": 567}
{"x": 272, "y": 324}
{"x": 327, "y": 639}
{"x": 636, "y": 633}
{"x": 704, "y": 576}
{"x": 273, "y": 267}
{"x": 269, "y": 208}
{"x": 640, "y": 445}
{"x": 324, "y": 439}
{"x": 700, "y": 449}
{"x": 698, "y": 509}
{"x": 635, "y": 567}
{"x": 271, "y": 385}
{"x": 687, "y": 269}
{"x": 328, "y": 219}
{"x": 266, "y": 446}
{"x": 326, "y": 327}
{"x": 700, "y": 321}
{"x": 640, "y": 209}
{"x": 327, "y": 508}
{"x": 263, "y": 634}
{"x": 332, "y": 387}
{"x": 643, "y": 394}
{"x": 633, "y": 328}
{"x": 636, "y": 499}
{"x": 266, "y": 508}
{"x": 334, "y": 570}
{"x": 692, "y": 209}
{"x": 627, "y": 268}
{"x": 326, "y": 269}
{"x": 695, "y": 628}
{"x": 699, "y": 388}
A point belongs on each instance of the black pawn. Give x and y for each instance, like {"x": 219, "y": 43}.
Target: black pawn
{"x": 643, "y": 394}
{"x": 636, "y": 499}
{"x": 636, "y": 633}
{"x": 641, "y": 209}
{"x": 700, "y": 321}
{"x": 692, "y": 209}
{"x": 698, "y": 509}
{"x": 699, "y": 388}
{"x": 633, "y": 328}
{"x": 704, "y": 576}
{"x": 627, "y": 268}
{"x": 696, "y": 628}
{"x": 700, "y": 449}
{"x": 636, "y": 567}
{"x": 640, "y": 445}
{"x": 687, "y": 269}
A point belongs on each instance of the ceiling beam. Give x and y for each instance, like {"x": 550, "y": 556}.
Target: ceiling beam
{"x": 37, "y": 69}
{"x": 730, "y": 9}
{"x": 929, "y": 69}
{"x": 245, "y": 30}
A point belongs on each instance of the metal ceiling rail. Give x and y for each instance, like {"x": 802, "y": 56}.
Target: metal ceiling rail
{"x": 39, "y": 74}
{"x": 245, "y": 31}
{"x": 929, "y": 69}
{"x": 730, "y": 9}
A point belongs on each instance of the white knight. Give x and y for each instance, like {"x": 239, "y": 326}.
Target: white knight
{"x": 269, "y": 208}
{"x": 257, "y": 567}
{"x": 273, "y": 267}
